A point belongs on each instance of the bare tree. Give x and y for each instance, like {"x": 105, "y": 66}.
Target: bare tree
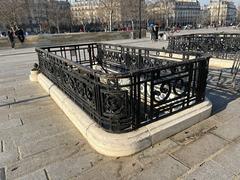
{"x": 110, "y": 8}
{"x": 58, "y": 14}
{"x": 130, "y": 11}
{"x": 12, "y": 12}
{"x": 40, "y": 14}
{"x": 161, "y": 8}
{"x": 205, "y": 18}
{"x": 84, "y": 19}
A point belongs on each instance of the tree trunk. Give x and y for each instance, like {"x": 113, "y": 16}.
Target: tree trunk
{"x": 110, "y": 21}
{"x": 167, "y": 21}
{"x": 133, "y": 26}
{"x": 58, "y": 29}
{"x": 40, "y": 27}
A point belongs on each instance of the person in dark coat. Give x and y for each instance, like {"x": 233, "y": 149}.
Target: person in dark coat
{"x": 20, "y": 34}
{"x": 11, "y": 36}
{"x": 152, "y": 32}
{"x": 156, "y": 29}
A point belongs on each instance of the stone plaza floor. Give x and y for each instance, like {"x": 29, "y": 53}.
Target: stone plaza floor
{"x": 37, "y": 141}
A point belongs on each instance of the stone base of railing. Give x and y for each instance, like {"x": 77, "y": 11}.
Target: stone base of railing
{"x": 127, "y": 143}
{"x": 33, "y": 75}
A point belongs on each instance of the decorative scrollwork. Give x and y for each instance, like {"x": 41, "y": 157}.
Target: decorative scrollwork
{"x": 89, "y": 93}
{"x": 162, "y": 92}
{"x": 115, "y": 104}
{"x": 180, "y": 87}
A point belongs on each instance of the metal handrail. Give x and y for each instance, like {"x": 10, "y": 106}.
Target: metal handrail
{"x": 148, "y": 89}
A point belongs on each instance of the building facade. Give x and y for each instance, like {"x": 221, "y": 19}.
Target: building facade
{"x": 83, "y": 10}
{"x": 222, "y": 12}
{"x": 186, "y": 12}
{"x": 120, "y": 11}
{"x": 175, "y": 12}
{"x": 41, "y": 15}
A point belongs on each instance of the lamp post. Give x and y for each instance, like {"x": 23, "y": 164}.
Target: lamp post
{"x": 140, "y": 19}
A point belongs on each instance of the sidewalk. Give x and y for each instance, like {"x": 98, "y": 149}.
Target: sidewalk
{"x": 10, "y": 51}
{"x": 37, "y": 141}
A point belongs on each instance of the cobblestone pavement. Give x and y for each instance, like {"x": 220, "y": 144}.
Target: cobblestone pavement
{"x": 37, "y": 141}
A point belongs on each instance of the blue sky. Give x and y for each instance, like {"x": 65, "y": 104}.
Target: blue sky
{"x": 237, "y": 2}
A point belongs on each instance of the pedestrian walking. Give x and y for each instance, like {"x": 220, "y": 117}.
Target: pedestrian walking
{"x": 20, "y": 34}
{"x": 152, "y": 34}
{"x": 156, "y": 29}
{"x": 11, "y": 36}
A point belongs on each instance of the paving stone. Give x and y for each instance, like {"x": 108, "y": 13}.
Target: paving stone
{"x": 35, "y": 106}
{"x": 11, "y": 78}
{"x": 128, "y": 166}
{"x": 34, "y": 87}
{"x": 74, "y": 165}
{"x": 16, "y": 84}
{"x": 37, "y": 175}
{"x": 6, "y": 91}
{"x": 119, "y": 168}
{"x": 21, "y": 100}
{"x": 199, "y": 150}
{"x": 230, "y": 129}
{"x": 2, "y": 97}
{"x": 34, "y": 123}
{"x": 166, "y": 168}
{"x": 230, "y": 113}
{"x": 210, "y": 171}
{"x": 230, "y": 158}
{"x": 4, "y": 115}
{"x": 5, "y": 102}
{"x": 44, "y": 144}
{"x": 154, "y": 153}
{"x": 10, "y": 124}
{"x": 37, "y": 130}
{"x": 41, "y": 160}
{"x": 109, "y": 170}
{"x": 7, "y": 158}
{"x": 196, "y": 131}
{"x": 9, "y": 151}
{"x": 38, "y": 114}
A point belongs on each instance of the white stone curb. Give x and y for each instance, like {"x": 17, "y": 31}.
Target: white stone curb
{"x": 127, "y": 143}
{"x": 33, "y": 76}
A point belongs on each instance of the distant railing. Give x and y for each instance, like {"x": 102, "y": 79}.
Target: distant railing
{"x": 221, "y": 45}
{"x": 123, "y": 88}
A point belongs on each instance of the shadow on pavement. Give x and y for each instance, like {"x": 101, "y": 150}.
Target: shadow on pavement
{"x": 220, "y": 95}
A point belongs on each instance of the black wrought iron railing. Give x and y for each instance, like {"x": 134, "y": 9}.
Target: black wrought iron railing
{"x": 222, "y": 45}
{"x": 123, "y": 88}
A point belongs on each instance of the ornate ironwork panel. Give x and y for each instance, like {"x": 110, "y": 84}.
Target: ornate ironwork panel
{"x": 218, "y": 44}
{"x": 123, "y": 88}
